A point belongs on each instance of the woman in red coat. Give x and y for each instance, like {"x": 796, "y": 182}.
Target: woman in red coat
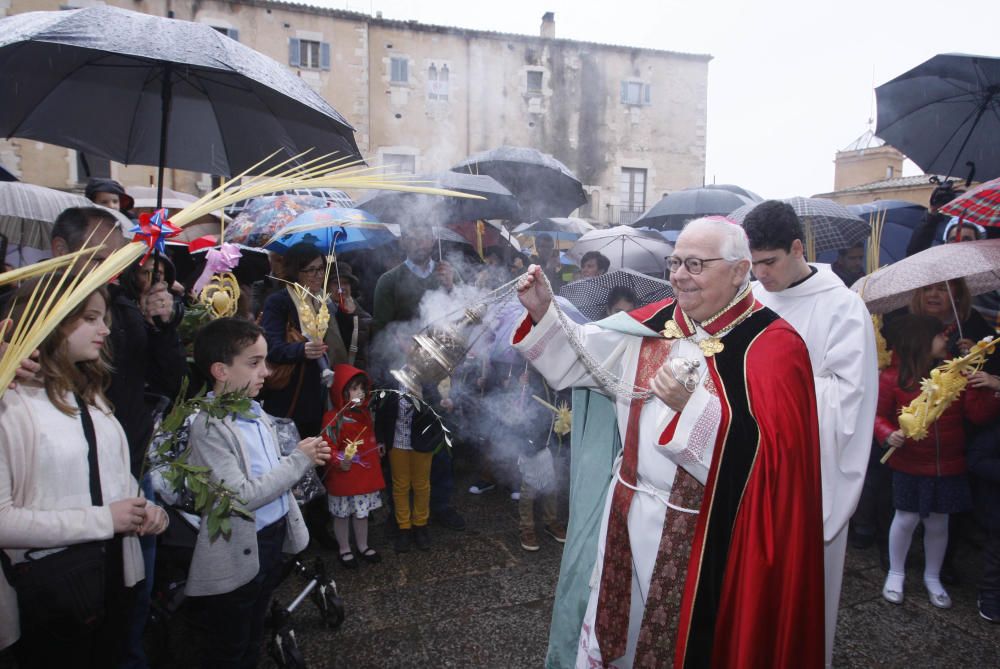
{"x": 354, "y": 476}
{"x": 929, "y": 476}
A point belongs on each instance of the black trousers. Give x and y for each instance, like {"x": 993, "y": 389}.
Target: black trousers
{"x": 234, "y": 621}
{"x": 989, "y": 582}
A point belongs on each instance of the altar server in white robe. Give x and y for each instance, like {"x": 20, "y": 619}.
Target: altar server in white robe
{"x": 837, "y": 329}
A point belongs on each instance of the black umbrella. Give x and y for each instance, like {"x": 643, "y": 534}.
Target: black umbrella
{"x": 136, "y": 88}
{"x": 543, "y": 186}
{"x": 676, "y": 209}
{"x": 899, "y": 220}
{"x": 739, "y": 190}
{"x": 945, "y": 115}
{"x": 403, "y": 207}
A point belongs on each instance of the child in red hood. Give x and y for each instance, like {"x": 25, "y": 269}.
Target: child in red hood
{"x": 352, "y": 483}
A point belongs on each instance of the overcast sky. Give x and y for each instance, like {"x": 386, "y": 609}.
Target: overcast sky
{"x": 790, "y": 82}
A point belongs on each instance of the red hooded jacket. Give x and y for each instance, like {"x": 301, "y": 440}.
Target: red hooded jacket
{"x": 354, "y": 423}
{"x": 942, "y": 451}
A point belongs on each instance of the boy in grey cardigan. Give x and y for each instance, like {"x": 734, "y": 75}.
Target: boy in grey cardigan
{"x": 236, "y": 577}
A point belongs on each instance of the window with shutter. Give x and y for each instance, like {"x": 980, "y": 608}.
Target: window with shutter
{"x": 399, "y": 70}
{"x": 309, "y": 54}
{"x": 635, "y": 93}
{"x": 324, "y": 55}
{"x": 534, "y": 82}
{"x": 293, "y": 51}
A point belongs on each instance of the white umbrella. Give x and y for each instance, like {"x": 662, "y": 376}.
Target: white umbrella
{"x": 892, "y": 286}
{"x": 627, "y": 248}
{"x": 145, "y": 198}
{"x": 27, "y": 213}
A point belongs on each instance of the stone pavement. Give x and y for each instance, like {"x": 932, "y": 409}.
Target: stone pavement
{"x": 477, "y": 600}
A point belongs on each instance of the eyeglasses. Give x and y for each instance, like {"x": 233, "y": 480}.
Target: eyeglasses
{"x": 692, "y": 265}
{"x": 312, "y": 270}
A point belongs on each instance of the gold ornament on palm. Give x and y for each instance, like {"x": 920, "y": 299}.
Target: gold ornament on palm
{"x": 221, "y": 295}
{"x": 946, "y": 383}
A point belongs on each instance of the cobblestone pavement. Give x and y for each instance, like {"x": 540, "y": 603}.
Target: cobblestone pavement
{"x": 476, "y": 599}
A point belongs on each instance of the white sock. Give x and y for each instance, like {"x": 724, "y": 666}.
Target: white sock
{"x": 900, "y": 535}
{"x": 935, "y": 545}
{"x": 894, "y": 581}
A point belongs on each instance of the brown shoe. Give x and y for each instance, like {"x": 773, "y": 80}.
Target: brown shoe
{"x": 557, "y": 532}
{"x": 529, "y": 541}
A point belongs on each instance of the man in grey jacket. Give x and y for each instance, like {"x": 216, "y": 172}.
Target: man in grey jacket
{"x": 236, "y": 575}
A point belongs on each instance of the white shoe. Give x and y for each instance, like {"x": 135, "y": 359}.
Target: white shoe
{"x": 516, "y": 496}
{"x": 941, "y": 600}
{"x": 893, "y": 596}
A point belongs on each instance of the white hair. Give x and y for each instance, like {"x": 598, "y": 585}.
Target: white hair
{"x": 734, "y": 245}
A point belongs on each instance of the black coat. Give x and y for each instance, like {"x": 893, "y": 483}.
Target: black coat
{"x": 425, "y": 430}
{"x": 149, "y": 363}
{"x": 302, "y": 399}
{"x": 983, "y": 459}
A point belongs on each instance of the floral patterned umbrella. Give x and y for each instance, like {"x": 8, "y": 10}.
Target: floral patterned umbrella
{"x": 264, "y": 217}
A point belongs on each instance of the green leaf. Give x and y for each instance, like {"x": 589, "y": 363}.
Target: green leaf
{"x": 226, "y": 527}
{"x": 201, "y": 499}
{"x": 213, "y": 526}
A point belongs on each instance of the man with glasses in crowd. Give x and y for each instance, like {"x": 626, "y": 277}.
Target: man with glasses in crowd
{"x": 710, "y": 547}
{"x": 837, "y": 329}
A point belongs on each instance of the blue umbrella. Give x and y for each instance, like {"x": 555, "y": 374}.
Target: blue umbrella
{"x": 901, "y": 219}
{"x": 333, "y": 229}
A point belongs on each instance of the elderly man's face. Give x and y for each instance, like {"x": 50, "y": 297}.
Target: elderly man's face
{"x": 704, "y": 295}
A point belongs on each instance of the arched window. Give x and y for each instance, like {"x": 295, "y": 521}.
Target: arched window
{"x": 437, "y": 82}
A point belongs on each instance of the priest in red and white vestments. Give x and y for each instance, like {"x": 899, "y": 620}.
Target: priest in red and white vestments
{"x": 711, "y": 542}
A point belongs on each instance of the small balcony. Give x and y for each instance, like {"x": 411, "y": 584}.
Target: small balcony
{"x": 621, "y": 214}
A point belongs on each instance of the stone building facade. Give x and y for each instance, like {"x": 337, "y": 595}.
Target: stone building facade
{"x": 630, "y": 122}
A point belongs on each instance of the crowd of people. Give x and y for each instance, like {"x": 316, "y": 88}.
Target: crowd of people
{"x": 725, "y": 449}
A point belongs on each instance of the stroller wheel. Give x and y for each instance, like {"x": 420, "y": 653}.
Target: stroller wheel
{"x": 284, "y": 650}
{"x": 330, "y": 605}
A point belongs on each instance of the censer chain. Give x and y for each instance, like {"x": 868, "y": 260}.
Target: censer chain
{"x": 601, "y": 374}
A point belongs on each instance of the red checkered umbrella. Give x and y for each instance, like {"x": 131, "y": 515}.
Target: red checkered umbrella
{"x": 980, "y": 205}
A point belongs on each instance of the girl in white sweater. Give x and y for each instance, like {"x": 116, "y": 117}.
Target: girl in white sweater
{"x": 47, "y": 503}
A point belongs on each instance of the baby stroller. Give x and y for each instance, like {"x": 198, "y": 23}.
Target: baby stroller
{"x": 176, "y": 547}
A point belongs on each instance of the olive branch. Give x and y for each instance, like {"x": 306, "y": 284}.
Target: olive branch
{"x": 213, "y": 500}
